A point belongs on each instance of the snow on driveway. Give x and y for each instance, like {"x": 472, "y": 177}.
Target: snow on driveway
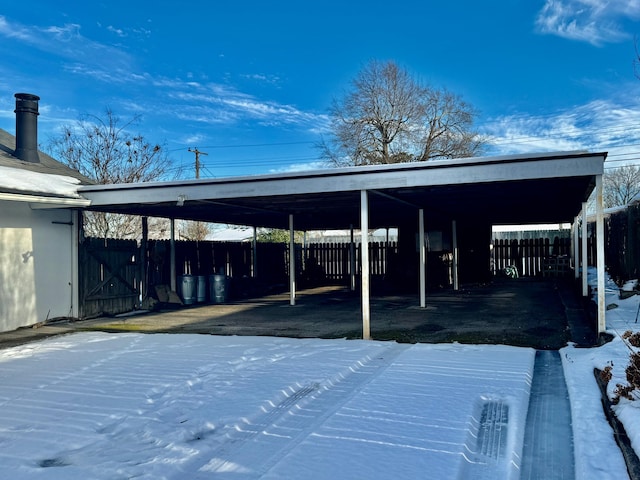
{"x": 109, "y": 406}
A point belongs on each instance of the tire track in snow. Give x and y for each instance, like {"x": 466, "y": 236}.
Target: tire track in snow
{"x": 253, "y": 447}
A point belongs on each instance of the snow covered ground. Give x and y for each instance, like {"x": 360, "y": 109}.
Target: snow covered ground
{"x": 596, "y": 453}
{"x": 110, "y": 406}
{"x": 97, "y": 405}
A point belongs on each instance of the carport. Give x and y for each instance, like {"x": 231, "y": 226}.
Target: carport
{"x": 448, "y": 194}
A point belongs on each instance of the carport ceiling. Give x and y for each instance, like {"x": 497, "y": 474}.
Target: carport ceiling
{"x": 501, "y": 190}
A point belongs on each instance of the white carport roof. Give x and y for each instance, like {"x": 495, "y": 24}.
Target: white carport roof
{"x": 539, "y": 188}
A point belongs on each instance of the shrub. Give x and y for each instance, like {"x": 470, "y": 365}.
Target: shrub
{"x": 632, "y": 338}
{"x": 632, "y": 371}
{"x": 631, "y": 390}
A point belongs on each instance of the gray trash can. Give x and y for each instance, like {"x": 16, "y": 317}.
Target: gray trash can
{"x": 201, "y": 290}
{"x": 218, "y": 288}
{"x": 187, "y": 289}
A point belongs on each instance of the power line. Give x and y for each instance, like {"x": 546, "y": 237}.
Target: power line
{"x": 624, "y": 146}
{"x": 578, "y": 134}
{"x": 245, "y": 163}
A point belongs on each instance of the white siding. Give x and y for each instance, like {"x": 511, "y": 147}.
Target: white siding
{"x": 35, "y": 265}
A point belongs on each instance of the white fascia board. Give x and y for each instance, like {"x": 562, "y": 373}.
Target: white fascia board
{"x": 501, "y": 169}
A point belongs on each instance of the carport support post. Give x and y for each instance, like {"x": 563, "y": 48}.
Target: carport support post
{"x": 423, "y": 259}
{"x": 172, "y": 260}
{"x": 292, "y": 263}
{"x": 454, "y": 247}
{"x": 602, "y": 308}
{"x": 585, "y": 253}
{"x": 364, "y": 267}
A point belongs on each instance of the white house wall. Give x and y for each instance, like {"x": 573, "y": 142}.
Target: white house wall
{"x": 35, "y": 265}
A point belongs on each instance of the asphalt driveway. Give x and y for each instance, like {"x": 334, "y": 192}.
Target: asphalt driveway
{"x": 543, "y": 314}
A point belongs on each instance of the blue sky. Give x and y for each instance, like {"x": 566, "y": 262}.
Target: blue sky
{"x": 250, "y": 83}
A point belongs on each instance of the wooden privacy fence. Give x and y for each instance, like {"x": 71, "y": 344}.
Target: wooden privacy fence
{"x": 113, "y": 273}
{"x": 335, "y": 258}
{"x": 622, "y": 243}
{"x": 530, "y": 256}
{"x": 234, "y": 259}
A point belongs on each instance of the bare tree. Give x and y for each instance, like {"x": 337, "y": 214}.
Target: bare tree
{"x": 190, "y": 230}
{"x": 620, "y": 185}
{"x": 388, "y": 117}
{"x": 103, "y": 149}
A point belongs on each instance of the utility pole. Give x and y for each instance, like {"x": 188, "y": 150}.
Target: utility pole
{"x": 200, "y": 229}
{"x": 198, "y": 153}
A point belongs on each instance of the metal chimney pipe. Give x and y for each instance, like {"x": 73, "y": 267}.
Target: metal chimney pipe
{"x": 27, "y": 127}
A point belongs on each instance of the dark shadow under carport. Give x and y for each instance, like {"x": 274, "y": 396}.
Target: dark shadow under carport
{"x": 543, "y": 314}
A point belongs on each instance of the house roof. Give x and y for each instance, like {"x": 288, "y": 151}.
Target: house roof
{"x": 44, "y": 181}
{"x": 540, "y": 188}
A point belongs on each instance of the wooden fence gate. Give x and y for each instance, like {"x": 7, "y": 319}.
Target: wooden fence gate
{"x": 109, "y": 276}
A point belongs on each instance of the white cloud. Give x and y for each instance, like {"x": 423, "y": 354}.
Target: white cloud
{"x": 64, "y": 34}
{"x": 217, "y": 103}
{"x": 600, "y": 125}
{"x": 185, "y": 98}
{"x": 263, "y": 78}
{"x": 301, "y": 167}
{"x": 193, "y": 139}
{"x": 11, "y": 30}
{"x": 593, "y": 21}
{"x": 117, "y": 31}
{"x": 83, "y": 55}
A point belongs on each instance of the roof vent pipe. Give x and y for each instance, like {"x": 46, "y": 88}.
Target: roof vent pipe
{"x": 27, "y": 127}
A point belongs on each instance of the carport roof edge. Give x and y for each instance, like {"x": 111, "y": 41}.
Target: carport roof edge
{"x": 360, "y": 170}
{"x": 266, "y": 200}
